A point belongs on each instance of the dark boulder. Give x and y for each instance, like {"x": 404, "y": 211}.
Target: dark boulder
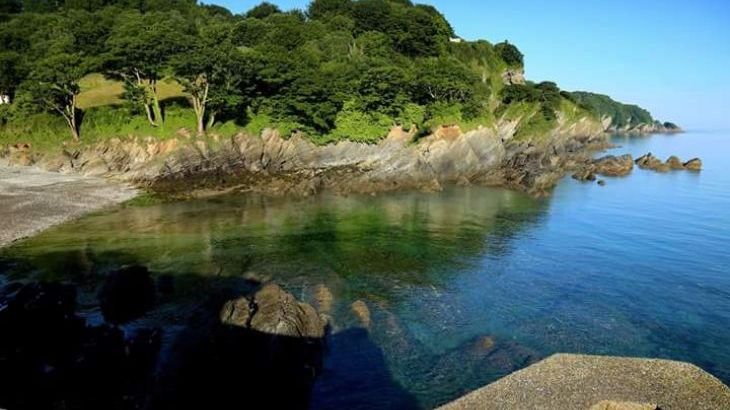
{"x": 50, "y": 357}
{"x": 127, "y": 294}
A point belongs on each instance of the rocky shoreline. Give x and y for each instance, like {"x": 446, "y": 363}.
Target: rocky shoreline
{"x": 270, "y": 164}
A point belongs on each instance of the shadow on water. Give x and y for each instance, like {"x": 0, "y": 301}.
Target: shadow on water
{"x": 201, "y": 253}
{"x": 52, "y": 356}
{"x": 356, "y": 365}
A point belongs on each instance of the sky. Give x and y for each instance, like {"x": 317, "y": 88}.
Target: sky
{"x": 670, "y": 57}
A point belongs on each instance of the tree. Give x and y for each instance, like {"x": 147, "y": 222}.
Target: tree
{"x": 140, "y": 49}
{"x": 263, "y": 10}
{"x": 10, "y": 7}
{"x": 510, "y": 54}
{"x": 214, "y": 74}
{"x": 323, "y": 8}
{"x": 54, "y": 86}
{"x": 12, "y": 72}
{"x": 443, "y": 79}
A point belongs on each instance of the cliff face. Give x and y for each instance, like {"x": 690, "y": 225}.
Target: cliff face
{"x": 275, "y": 165}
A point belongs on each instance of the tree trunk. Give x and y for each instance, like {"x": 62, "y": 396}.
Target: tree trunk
{"x": 69, "y": 114}
{"x": 148, "y": 111}
{"x": 211, "y": 119}
{"x": 199, "y": 115}
{"x": 156, "y": 110}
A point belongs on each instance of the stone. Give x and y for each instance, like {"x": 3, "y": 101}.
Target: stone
{"x": 274, "y": 311}
{"x": 362, "y": 312}
{"x": 614, "y": 166}
{"x": 323, "y": 299}
{"x": 584, "y": 175}
{"x": 675, "y": 163}
{"x": 601, "y": 182}
{"x": 694, "y": 164}
{"x": 623, "y": 405}
{"x": 577, "y": 382}
{"x": 127, "y": 294}
{"x": 651, "y": 162}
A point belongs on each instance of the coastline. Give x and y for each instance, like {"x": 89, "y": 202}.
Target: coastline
{"x": 34, "y": 200}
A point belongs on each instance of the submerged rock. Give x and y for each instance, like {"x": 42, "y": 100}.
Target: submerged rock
{"x": 127, "y": 294}
{"x": 50, "y": 357}
{"x": 276, "y": 312}
{"x": 362, "y": 312}
{"x": 323, "y": 299}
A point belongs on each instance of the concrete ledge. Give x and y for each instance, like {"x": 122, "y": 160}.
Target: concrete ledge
{"x": 567, "y": 382}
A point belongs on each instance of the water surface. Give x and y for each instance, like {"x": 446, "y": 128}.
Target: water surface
{"x": 463, "y": 286}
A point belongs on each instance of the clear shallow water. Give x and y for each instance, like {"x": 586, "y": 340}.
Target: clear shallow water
{"x": 462, "y": 286}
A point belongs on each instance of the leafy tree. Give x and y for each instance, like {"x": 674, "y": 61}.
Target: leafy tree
{"x": 443, "y": 79}
{"x": 140, "y": 49}
{"x": 54, "y": 86}
{"x": 10, "y": 6}
{"x": 263, "y": 10}
{"x": 510, "y": 54}
{"x": 215, "y": 74}
{"x": 40, "y": 6}
{"x": 13, "y": 71}
{"x": 324, "y": 8}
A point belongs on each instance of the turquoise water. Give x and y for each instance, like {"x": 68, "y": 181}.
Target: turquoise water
{"x": 463, "y": 286}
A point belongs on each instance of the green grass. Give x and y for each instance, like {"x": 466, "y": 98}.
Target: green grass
{"x": 98, "y": 91}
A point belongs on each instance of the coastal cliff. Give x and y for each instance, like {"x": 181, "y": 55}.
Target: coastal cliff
{"x": 275, "y": 165}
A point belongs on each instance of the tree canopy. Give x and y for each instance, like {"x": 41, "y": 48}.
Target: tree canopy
{"x": 337, "y": 67}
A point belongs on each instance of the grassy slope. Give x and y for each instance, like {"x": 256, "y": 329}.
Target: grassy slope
{"x": 97, "y": 91}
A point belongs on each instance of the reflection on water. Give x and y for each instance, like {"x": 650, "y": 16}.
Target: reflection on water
{"x": 455, "y": 289}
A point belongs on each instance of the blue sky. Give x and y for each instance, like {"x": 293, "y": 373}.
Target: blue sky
{"x": 671, "y": 57}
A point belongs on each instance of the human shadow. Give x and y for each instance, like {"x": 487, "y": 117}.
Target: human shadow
{"x": 356, "y": 376}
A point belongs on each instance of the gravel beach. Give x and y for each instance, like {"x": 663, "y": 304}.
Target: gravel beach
{"x": 32, "y": 200}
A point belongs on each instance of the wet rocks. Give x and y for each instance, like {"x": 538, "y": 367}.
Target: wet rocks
{"x": 614, "y": 166}
{"x": 675, "y": 163}
{"x": 275, "y": 312}
{"x": 653, "y": 163}
{"x": 694, "y": 164}
{"x": 51, "y": 358}
{"x": 127, "y": 294}
{"x": 323, "y": 299}
{"x": 362, "y": 312}
{"x": 585, "y": 175}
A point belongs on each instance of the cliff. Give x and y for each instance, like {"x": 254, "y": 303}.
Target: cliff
{"x": 272, "y": 164}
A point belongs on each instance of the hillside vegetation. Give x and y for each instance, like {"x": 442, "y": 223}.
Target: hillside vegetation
{"x": 341, "y": 69}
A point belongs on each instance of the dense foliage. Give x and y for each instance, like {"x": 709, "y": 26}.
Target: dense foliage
{"x": 340, "y": 69}
{"x": 622, "y": 115}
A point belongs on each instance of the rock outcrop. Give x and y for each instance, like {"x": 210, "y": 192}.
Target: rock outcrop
{"x": 52, "y": 358}
{"x": 296, "y": 166}
{"x": 274, "y": 312}
{"x": 694, "y": 164}
{"x": 614, "y": 166}
{"x": 578, "y": 382}
{"x": 653, "y": 163}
